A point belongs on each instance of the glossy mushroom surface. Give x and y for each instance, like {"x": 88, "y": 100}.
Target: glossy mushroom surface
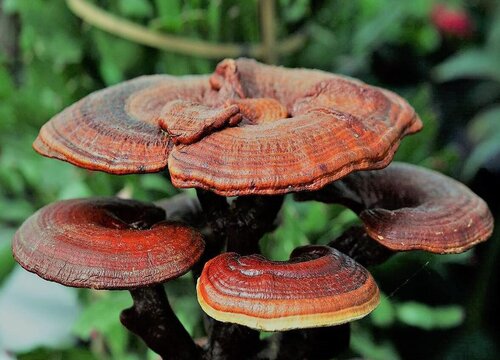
{"x": 406, "y": 207}
{"x": 105, "y": 243}
{"x": 249, "y": 128}
{"x": 318, "y": 286}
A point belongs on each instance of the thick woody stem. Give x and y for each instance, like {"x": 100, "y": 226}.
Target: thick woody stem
{"x": 317, "y": 343}
{"x": 152, "y": 319}
{"x": 356, "y": 243}
{"x": 251, "y": 218}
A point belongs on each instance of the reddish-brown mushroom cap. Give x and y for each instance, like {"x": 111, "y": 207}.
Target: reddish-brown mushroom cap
{"x": 406, "y": 207}
{"x": 335, "y": 125}
{"x": 247, "y": 129}
{"x": 105, "y": 243}
{"x": 318, "y": 286}
{"x": 117, "y": 129}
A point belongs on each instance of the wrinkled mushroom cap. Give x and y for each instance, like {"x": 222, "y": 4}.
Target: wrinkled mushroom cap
{"x": 105, "y": 243}
{"x": 249, "y": 128}
{"x": 318, "y": 286}
{"x": 407, "y": 207}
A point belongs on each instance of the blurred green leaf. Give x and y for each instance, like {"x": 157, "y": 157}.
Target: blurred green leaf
{"x": 474, "y": 63}
{"x": 6, "y": 260}
{"x": 428, "y": 318}
{"x": 484, "y": 125}
{"x": 15, "y": 210}
{"x": 363, "y": 343}
{"x": 294, "y": 10}
{"x": 182, "y": 297}
{"x": 73, "y": 190}
{"x": 51, "y": 354}
{"x": 384, "y": 315}
{"x": 135, "y": 8}
{"x": 103, "y": 316}
{"x": 117, "y": 56}
{"x": 481, "y": 153}
{"x": 287, "y": 237}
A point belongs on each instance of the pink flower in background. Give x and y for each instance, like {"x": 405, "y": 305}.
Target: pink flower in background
{"x": 452, "y": 21}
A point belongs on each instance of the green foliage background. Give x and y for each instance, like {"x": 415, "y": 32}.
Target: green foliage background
{"x": 52, "y": 59}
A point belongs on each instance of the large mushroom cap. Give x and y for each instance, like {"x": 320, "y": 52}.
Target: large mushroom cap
{"x": 247, "y": 129}
{"x": 406, "y": 207}
{"x": 318, "y": 286}
{"x": 105, "y": 243}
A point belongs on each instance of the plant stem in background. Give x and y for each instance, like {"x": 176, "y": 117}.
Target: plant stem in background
{"x": 268, "y": 26}
{"x": 142, "y": 35}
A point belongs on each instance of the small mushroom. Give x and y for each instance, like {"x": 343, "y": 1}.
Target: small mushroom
{"x": 110, "y": 243}
{"x": 318, "y": 286}
{"x": 249, "y": 128}
{"x": 406, "y": 207}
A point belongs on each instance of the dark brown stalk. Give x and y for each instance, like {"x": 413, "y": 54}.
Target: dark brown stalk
{"x": 356, "y": 243}
{"x": 316, "y": 343}
{"x": 152, "y": 319}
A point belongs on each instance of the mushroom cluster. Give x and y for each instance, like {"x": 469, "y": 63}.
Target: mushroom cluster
{"x": 255, "y": 132}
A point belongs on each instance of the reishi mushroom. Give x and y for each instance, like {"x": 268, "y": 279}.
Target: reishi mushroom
{"x": 248, "y": 129}
{"x": 110, "y": 243}
{"x": 407, "y": 207}
{"x": 318, "y": 286}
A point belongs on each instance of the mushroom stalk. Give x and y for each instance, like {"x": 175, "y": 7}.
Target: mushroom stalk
{"x": 152, "y": 319}
{"x": 251, "y": 218}
{"x": 316, "y": 343}
{"x": 232, "y": 341}
{"x": 242, "y": 224}
{"x": 356, "y": 244}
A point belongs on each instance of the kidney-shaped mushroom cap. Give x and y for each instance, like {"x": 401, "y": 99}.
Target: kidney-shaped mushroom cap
{"x": 105, "y": 243}
{"x": 406, "y": 207}
{"x": 318, "y": 286}
{"x": 249, "y": 128}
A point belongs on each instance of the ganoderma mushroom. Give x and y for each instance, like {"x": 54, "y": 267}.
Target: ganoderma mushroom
{"x": 406, "y": 207}
{"x": 318, "y": 286}
{"x": 109, "y": 243}
{"x": 259, "y": 132}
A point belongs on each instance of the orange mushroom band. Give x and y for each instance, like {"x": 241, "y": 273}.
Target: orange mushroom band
{"x": 105, "y": 243}
{"x": 406, "y": 207}
{"x": 318, "y": 286}
{"x": 249, "y": 128}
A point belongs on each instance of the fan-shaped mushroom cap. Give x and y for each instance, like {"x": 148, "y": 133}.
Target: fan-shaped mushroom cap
{"x": 116, "y": 129}
{"x": 406, "y": 207}
{"x": 247, "y": 129}
{"x": 318, "y": 286}
{"x": 105, "y": 243}
{"x": 335, "y": 125}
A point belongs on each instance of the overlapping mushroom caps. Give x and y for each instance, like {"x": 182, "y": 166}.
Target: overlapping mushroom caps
{"x": 105, "y": 243}
{"x": 318, "y": 286}
{"x": 248, "y": 128}
{"x": 406, "y": 207}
